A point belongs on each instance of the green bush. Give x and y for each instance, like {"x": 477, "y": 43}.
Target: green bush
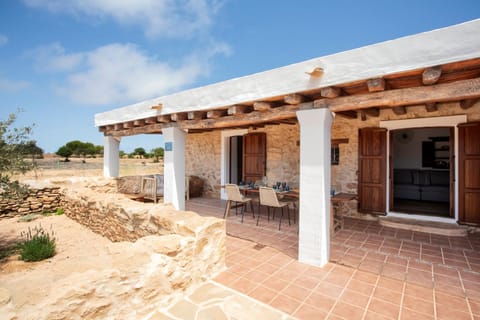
{"x": 37, "y": 245}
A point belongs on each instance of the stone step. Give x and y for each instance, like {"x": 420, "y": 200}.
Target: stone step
{"x": 440, "y": 228}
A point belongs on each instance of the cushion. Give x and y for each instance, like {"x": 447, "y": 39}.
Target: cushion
{"x": 440, "y": 178}
{"x": 402, "y": 176}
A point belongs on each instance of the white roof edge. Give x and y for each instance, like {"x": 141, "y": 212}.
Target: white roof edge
{"x": 450, "y": 44}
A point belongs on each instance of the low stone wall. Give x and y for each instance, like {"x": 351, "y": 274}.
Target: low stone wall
{"x": 44, "y": 199}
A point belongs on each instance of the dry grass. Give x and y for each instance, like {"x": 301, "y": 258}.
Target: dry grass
{"x": 54, "y": 167}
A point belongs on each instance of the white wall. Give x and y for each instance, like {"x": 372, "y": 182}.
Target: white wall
{"x": 407, "y": 150}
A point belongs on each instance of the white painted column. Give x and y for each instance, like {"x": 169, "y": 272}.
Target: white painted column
{"x": 314, "y": 216}
{"x": 111, "y": 156}
{"x": 174, "y": 167}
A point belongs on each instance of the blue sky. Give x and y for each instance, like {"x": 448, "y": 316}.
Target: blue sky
{"x": 63, "y": 61}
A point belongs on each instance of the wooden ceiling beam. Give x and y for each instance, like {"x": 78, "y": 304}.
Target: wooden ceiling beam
{"x": 164, "y": 119}
{"x": 468, "y": 103}
{"x": 139, "y": 122}
{"x": 431, "y": 75}
{"x": 399, "y": 110}
{"x": 262, "y": 106}
{"x": 151, "y": 120}
{"x": 330, "y": 92}
{"x": 175, "y": 117}
{"x": 431, "y": 107}
{"x": 294, "y": 98}
{"x": 445, "y": 92}
{"x": 196, "y": 115}
{"x": 375, "y": 85}
{"x": 215, "y": 114}
{"x": 118, "y": 126}
{"x": 238, "y": 109}
{"x": 349, "y": 114}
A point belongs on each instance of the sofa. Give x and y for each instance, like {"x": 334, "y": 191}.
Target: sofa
{"x": 418, "y": 184}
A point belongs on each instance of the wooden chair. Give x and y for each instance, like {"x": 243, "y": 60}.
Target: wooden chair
{"x": 268, "y": 198}
{"x": 149, "y": 188}
{"x": 234, "y": 195}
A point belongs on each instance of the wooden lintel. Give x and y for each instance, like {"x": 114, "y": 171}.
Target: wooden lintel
{"x": 139, "y": 123}
{"x": 127, "y": 125}
{"x": 262, "y": 106}
{"x": 178, "y": 117}
{"x": 372, "y": 112}
{"x": 330, "y": 92}
{"x": 363, "y": 115}
{"x": 196, "y": 115}
{"x": 399, "y": 110}
{"x": 163, "y": 118}
{"x": 215, "y": 114}
{"x": 431, "y": 106}
{"x": 151, "y": 120}
{"x": 375, "y": 85}
{"x": 239, "y": 109}
{"x": 294, "y": 98}
{"x": 467, "y": 104}
{"x": 348, "y": 114}
{"x": 431, "y": 75}
{"x": 444, "y": 92}
{"x": 336, "y": 142}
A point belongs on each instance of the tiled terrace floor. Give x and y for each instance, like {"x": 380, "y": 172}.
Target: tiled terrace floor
{"x": 375, "y": 272}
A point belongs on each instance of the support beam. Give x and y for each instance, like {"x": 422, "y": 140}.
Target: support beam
{"x": 375, "y": 85}
{"x": 262, "y": 106}
{"x": 139, "y": 123}
{"x": 151, "y": 120}
{"x": 314, "y": 208}
{"x": 293, "y": 98}
{"x": 163, "y": 119}
{"x": 431, "y": 106}
{"x": 238, "y": 109}
{"x": 128, "y": 125}
{"x": 431, "y": 75}
{"x": 399, "y": 110}
{"x": 174, "y": 167}
{"x": 467, "y": 104}
{"x": 330, "y": 92}
{"x": 178, "y": 117}
{"x": 111, "y": 156}
{"x": 215, "y": 114}
{"x": 196, "y": 115}
{"x": 445, "y": 92}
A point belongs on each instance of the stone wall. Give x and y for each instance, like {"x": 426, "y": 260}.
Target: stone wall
{"x": 44, "y": 199}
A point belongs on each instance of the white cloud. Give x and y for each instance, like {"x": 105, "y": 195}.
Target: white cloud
{"x": 52, "y": 58}
{"x": 171, "y": 18}
{"x": 3, "y": 40}
{"x": 122, "y": 73}
{"x": 12, "y": 86}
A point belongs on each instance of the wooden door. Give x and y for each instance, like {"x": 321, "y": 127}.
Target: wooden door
{"x": 254, "y": 156}
{"x": 469, "y": 172}
{"x": 372, "y": 172}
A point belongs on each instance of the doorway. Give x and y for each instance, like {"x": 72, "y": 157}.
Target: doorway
{"x": 236, "y": 160}
{"x": 421, "y": 171}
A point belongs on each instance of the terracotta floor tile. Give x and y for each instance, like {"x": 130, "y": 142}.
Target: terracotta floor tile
{"x": 348, "y": 311}
{"x": 446, "y": 313}
{"x": 355, "y": 298}
{"x": 256, "y": 275}
{"x": 328, "y": 289}
{"x": 371, "y": 266}
{"x": 397, "y": 260}
{"x": 267, "y": 267}
{"x": 227, "y": 278}
{"x": 307, "y": 282}
{"x": 408, "y": 314}
{"x": 285, "y": 274}
{"x": 419, "y": 277}
{"x": 317, "y": 272}
{"x": 285, "y": 303}
{"x": 320, "y": 301}
{"x": 470, "y": 276}
{"x": 457, "y": 263}
{"x": 308, "y": 312}
{"x": 450, "y": 302}
{"x": 376, "y": 316}
{"x": 356, "y": 252}
{"x": 390, "y": 284}
{"x": 474, "y": 306}
{"x": 351, "y": 261}
{"x": 296, "y": 292}
{"x": 384, "y": 308}
{"x": 391, "y": 296}
{"x": 275, "y": 284}
{"x": 239, "y": 269}
{"x": 360, "y": 286}
{"x": 280, "y": 260}
{"x": 244, "y": 285}
{"x": 364, "y": 276}
{"x": 263, "y": 294}
{"x": 419, "y": 305}
{"x": 389, "y": 250}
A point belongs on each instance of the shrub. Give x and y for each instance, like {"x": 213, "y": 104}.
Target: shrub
{"x": 37, "y": 245}
{"x": 59, "y": 211}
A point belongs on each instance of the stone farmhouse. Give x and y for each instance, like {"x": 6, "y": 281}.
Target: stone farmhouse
{"x": 396, "y": 123}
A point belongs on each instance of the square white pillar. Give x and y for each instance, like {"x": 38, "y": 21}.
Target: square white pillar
{"x": 174, "y": 167}
{"x": 111, "y": 156}
{"x": 314, "y": 214}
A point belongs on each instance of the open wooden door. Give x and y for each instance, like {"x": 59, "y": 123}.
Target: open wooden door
{"x": 372, "y": 170}
{"x": 469, "y": 172}
{"x": 254, "y": 156}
